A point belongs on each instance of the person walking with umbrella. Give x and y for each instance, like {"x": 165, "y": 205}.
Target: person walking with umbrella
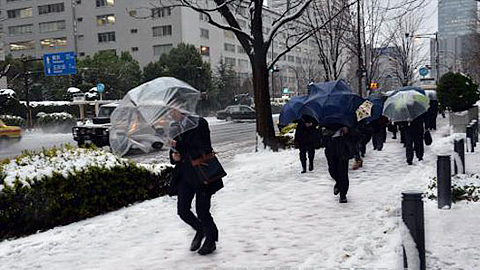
{"x": 414, "y": 138}
{"x": 306, "y": 137}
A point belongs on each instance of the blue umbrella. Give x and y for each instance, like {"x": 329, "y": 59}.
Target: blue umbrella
{"x": 333, "y": 103}
{"x": 293, "y": 110}
{"x": 377, "y": 108}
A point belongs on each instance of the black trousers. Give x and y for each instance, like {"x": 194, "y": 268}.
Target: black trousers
{"x": 337, "y": 166}
{"x": 304, "y": 150}
{"x": 202, "y": 205}
{"x": 413, "y": 143}
{"x": 378, "y": 138}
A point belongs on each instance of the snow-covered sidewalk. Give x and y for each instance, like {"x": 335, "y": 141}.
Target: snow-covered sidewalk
{"x": 270, "y": 215}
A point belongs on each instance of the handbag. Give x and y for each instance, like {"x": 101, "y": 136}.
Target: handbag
{"x": 208, "y": 168}
{"x": 427, "y": 137}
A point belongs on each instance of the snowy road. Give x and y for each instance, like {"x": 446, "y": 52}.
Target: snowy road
{"x": 35, "y": 141}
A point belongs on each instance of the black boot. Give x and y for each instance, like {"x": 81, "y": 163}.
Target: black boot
{"x": 208, "y": 247}
{"x": 197, "y": 240}
{"x": 310, "y": 165}
{"x": 304, "y": 166}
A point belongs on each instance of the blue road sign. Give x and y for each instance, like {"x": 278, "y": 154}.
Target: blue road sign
{"x": 58, "y": 64}
{"x": 100, "y": 87}
{"x": 423, "y": 71}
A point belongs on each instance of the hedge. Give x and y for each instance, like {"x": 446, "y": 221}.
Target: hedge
{"x": 56, "y": 122}
{"x": 41, "y": 203}
{"x": 13, "y": 120}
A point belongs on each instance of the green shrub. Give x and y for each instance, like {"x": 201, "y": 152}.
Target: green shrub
{"x": 55, "y": 122}
{"x": 464, "y": 188}
{"x": 457, "y": 92}
{"x": 13, "y": 120}
{"x": 62, "y": 199}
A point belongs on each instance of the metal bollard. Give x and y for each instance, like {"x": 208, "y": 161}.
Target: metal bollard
{"x": 444, "y": 181}
{"x": 412, "y": 215}
{"x": 459, "y": 148}
{"x": 469, "y": 132}
{"x": 475, "y": 130}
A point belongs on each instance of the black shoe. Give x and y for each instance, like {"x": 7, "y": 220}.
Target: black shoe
{"x": 197, "y": 240}
{"x": 420, "y": 159}
{"x": 409, "y": 162}
{"x": 303, "y": 171}
{"x": 208, "y": 247}
{"x": 343, "y": 199}
{"x": 336, "y": 190}
{"x": 310, "y": 167}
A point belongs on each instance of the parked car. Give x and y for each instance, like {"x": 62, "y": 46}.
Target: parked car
{"x": 234, "y": 112}
{"x": 10, "y": 133}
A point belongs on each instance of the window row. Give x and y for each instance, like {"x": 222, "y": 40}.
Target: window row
{"x": 44, "y": 27}
{"x": 44, "y": 44}
{"x": 28, "y": 11}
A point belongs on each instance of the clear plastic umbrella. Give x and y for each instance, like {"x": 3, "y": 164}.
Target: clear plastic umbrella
{"x": 405, "y": 105}
{"x": 146, "y": 114}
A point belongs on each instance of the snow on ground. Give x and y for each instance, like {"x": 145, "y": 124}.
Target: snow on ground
{"x": 270, "y": 215}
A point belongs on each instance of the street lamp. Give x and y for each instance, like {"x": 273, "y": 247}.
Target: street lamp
{"x": 437, "y": 55}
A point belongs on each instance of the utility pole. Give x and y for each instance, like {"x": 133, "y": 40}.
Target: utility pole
{"x": 27, "y": 94}
{"x": 359, "y": 49}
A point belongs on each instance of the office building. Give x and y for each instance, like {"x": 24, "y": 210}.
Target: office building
{"x": 34, "y": 28}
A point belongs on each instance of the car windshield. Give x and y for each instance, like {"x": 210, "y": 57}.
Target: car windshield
{"x": 105, "y": 111}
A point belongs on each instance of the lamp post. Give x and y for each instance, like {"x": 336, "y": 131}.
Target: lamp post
{"x": 437, "y": 55}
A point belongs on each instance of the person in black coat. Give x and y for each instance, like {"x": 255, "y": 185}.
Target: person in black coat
{"x": 306, "y": 137}
{"x": 431, "y": 116}
{"x": 186, "y": 147}
{"x": 414, "y": 131}
{"x": 340, "y": 147}
{"x": 379, "y": 135}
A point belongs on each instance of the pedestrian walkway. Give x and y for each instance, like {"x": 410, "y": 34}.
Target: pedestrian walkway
{"x": 270, "y": 215}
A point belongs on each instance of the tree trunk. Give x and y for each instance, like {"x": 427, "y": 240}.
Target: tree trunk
{"x": 263, "y": 107}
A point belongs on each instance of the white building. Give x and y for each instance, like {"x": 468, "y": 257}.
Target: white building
{"x": 37, "y": 27}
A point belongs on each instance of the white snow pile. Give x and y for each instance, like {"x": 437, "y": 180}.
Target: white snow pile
{"x": 73, "y": 90}
{"x": 464, "y": 187}
{"x": 63, "y": 160}
{"x": 46, "y": 103}
{"x": 56, "y": 116}
{"x": 7, "y": 92}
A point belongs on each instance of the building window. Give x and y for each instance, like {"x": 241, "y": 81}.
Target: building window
{"x": 80, "y": 19}
{"x": 228, "y": 34}
{"x": 133, "y": 31}
{"x": 106, "y": 37}
{"x": 19, "y": 13}
{"x": 105, "y": 19}
{"x": 82, "y": 54}
{"x": 291, "y": 58}
{"x": 134, "y": 49}
{"x": 160, "y": 31}
{"x": 52, "y": 26}
{"x": 205, "y": 51}
{"x": 22, "y": 45}
{"x": 229, "y": 47}
{"x": 243, "y": 64}
{"x": 204, "y": 33}
{"x": 230, "y": 61}
{"x": 45, "y": 9}
{"x": 240, "y": 49}
{"x": 53, "y": 42}
{"x": 105, "y": 3}
{"x": 80, "y": 37}
{"x": 132, "y": 13}
{"x": 158, "y": 50}
{"x": 203, "y": 17}
{"x": 20, "y": 29}
{"x": 161, "y": 12}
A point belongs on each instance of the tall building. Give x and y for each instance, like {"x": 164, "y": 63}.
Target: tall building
{"x": 457, "y": 20}
{"x": 34, "y": 28}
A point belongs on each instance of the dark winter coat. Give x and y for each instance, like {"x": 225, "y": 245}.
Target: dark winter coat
{"x": 416, "y": 127}
{"x": 192, "y": 144}
{"x": 306, "y": 136}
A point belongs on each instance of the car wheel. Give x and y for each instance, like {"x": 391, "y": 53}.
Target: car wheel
{"x": 157, "y": 145}
{"x": 229, "y": 118}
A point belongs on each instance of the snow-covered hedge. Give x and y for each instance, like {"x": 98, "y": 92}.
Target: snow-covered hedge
{"x": 39, "y": 191}
{"x": 12, "y": 120}
{"x": 56, "y": 122}
{"x": 464, "y": 187}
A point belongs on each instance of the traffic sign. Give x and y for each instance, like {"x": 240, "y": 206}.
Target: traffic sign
{"x": 58, "y": 64}
{"x": 423, "y": 71}
{"x": 100, "y": 87}
{"x": 285, "y": 90}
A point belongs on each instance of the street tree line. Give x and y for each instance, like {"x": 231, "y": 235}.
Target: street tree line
{"x": 121, "y": 73}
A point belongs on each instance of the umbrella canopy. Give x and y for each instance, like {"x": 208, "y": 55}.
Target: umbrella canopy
{"x": 145, "y": 114}
{"x": 293, "y": 110}
{"x": 405, "y": 105}
{"x": 408, "y": 88}
{"x": 333, "y": 103}
{"x": 431, "y": 94}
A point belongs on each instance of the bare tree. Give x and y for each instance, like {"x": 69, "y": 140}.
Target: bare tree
{"x": 330, "y": 39}
{"x": 407, "y": 54}
{"x": 256, "y": 43}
